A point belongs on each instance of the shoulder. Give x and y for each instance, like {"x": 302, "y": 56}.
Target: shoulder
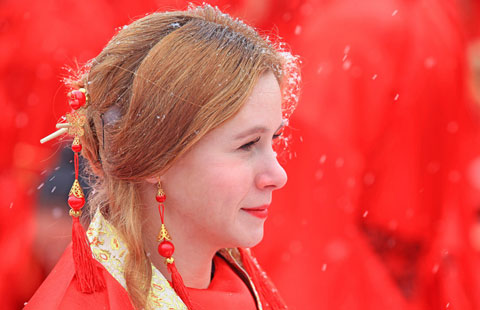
{"x": 59, "y": 291}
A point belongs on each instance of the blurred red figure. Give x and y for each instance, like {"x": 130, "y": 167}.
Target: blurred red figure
{"x": 381, "y": 185}
{"x": 379, "y": 204}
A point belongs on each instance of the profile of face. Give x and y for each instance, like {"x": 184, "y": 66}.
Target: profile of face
{"x": 220, "y": 190}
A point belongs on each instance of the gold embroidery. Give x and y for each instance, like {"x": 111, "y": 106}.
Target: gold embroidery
{"x": 115, "y": 244}
{"x": 110, "y": 250}
{"x": 76, "y": 120}
{"x": 76, "y": 190}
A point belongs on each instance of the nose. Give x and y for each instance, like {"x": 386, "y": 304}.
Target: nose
{"x": 271, "y": 175}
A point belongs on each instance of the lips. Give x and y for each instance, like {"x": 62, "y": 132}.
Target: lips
{"x": 260, "y": 212}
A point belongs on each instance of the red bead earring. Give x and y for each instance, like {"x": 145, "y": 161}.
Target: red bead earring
{"x": 88, "y": 276}
{"x": 166, "y": 249}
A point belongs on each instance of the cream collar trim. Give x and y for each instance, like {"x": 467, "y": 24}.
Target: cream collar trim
{"x": 110, "y": 250}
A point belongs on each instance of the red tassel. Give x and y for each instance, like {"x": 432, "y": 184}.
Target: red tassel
{"x": 178, "y": 286}
{"x": 267, "y": 292}
{"x": 89, "y": 278}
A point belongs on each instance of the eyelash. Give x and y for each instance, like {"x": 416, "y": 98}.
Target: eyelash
{"x": 249, "y": 145}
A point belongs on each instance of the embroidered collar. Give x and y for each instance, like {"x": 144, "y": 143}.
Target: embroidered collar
{"x": 110, "y": 250}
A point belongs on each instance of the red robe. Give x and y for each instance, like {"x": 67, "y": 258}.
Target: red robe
{"x": 59, "y": 290}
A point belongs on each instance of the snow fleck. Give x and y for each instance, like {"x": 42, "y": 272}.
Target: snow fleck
{"x": 287, "y": 17}
{"x": 11, "y": 205}
{"x": 452, "y": 127}
{"x": 454, "y": 176}
{"x": 351, "y": 182}
{"x": 323, "y": 158}
{"x": 301, "y": 139}
{"x": 57, "y": 212}
{"x": 396, "y": 97}
{"x": 57, "y": 168}
{"x": 21, "y": 120}
{"x": 43, "y": 172}
{"x": 324, "y": 267}
{"x": 374, "y": 77}
{"x": 364, "y": 215}
{"x": 394, "y": 12}
{"x": 295, "y": 246}
{"x": 346, "y": 65}
{"x": 53, "y": 189}
{"x": 393, "y": 225}
{"x": 409, "y": 213}
{"x": 319, "y": 175}
{"x": 175, "y": 25}
{"x": 435, "y": 268}
{"x": 346, "y": 50}
{"x": 447, "y": 305}
{"x": 40, "y": 186}
{"x": 53, "y": 177}
{"x": 433, "y": 167}
{"x": 339, "y": 162}
{"x": 430, "y": 62}
{"x": 319, "y": 69}
{"x": 286, "y": 257}
{"x": 306, "y": 9}
{"x": 298, "y": 30}
{"x": 368, "y": 179}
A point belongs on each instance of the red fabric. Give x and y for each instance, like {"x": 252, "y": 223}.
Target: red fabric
{"x": 226, "y": 288}
{"x": 59, "y": 290}
{"x": 376, "y": 194}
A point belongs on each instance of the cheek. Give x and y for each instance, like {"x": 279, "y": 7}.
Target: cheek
{"x": 226, "y": 184}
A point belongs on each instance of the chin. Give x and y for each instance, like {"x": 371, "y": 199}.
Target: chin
{"x": 251, "y": 238}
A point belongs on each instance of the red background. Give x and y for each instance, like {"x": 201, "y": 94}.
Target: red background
{"x": 381, "y": 207}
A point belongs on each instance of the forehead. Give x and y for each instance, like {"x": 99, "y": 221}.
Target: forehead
{"x": 263, "y": 107}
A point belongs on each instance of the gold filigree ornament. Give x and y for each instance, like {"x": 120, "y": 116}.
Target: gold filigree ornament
{"x": 76, "y": 120}
{"x": 76, "y": 190}
{"x": 163, "y": 234}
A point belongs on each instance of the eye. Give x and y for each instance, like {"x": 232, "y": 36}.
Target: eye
{"x": 278, "y": 135}
{"x": 249, "y": 145}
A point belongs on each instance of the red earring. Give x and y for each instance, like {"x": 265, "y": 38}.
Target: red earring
{"x": 89, "y": 279}
{"x": 166, "y": 249}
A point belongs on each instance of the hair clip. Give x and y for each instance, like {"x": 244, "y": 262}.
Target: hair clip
{"x": 75, "y": 119}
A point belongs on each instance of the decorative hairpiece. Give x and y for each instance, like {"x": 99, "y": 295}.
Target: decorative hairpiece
{"x": 88, "y": 276}
{"x": 75, "y": 119}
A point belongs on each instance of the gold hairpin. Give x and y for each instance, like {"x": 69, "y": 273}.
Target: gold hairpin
{"x": 75, "y": 120}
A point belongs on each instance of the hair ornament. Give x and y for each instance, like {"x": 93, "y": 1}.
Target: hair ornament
{"x": 88, "y": 275}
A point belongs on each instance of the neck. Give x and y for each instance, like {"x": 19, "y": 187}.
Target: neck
{"x": 193, "y": 256}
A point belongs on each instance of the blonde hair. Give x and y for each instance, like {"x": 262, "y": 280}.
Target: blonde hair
{"x": 159, "y": 86}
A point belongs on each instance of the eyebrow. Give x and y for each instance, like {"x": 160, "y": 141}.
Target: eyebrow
{"x": 256, "y": 129}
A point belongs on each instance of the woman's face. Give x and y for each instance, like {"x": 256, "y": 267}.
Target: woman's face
{"x": 230, "y": 170}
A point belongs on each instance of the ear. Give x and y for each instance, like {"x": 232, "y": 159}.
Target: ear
{"x": 153, "y": 180}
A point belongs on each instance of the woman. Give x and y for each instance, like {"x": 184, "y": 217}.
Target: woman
{"x": 180, "y": 115}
